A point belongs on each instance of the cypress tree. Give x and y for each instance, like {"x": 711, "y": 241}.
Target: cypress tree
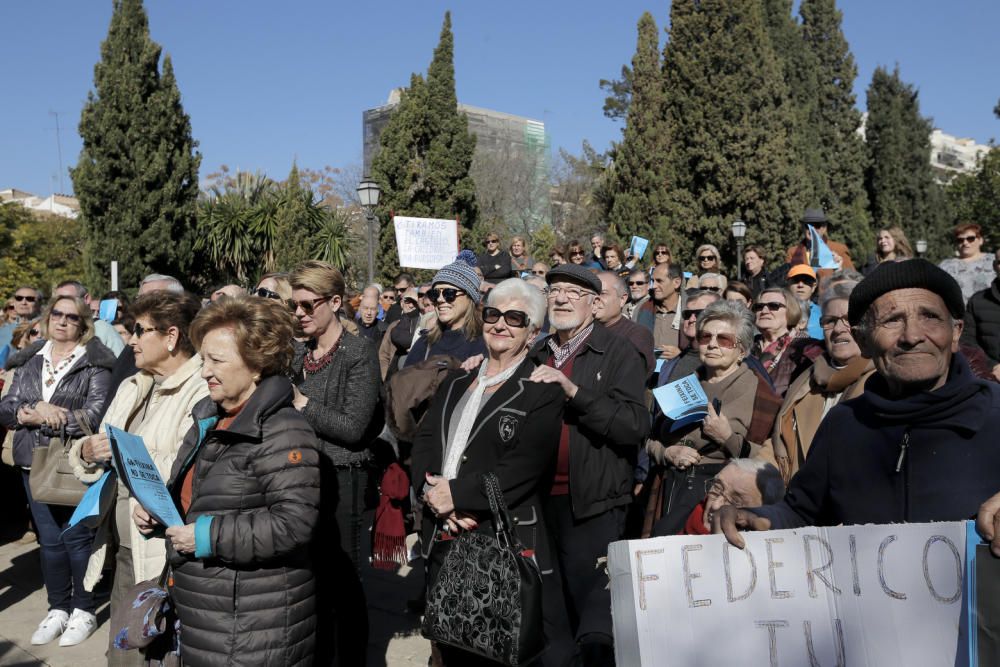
{"x": 137, "y": 175}
{"x": 637, "y": 185}
{"x": 837, "y": 169}
{"x": 899, "y": 178}
{"x": 426, "y": 153}
{"x": 728, "y": 121}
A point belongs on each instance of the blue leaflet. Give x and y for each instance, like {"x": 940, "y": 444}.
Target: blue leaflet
{"x": 140, "y": 475}
{"x": 683, "y": 401}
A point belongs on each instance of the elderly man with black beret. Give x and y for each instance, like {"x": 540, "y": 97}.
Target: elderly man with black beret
{"x": 604, "y": 423}
{"x": 920, "y": 443}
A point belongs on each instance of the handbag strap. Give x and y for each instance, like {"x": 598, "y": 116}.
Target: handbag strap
{"x": 83, "y": 421}
{"x": 498, "y": 507}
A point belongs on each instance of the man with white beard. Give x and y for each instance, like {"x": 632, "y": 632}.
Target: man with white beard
{"x": 604, "y": 423}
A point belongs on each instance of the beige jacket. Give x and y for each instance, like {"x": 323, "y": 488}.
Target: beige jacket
{"x": 168, "y": 419}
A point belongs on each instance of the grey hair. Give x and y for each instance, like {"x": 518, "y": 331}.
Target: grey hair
{"x": 173, "y": 285}
{"x": 616, "y": 280}
{"x": 530, "y": 296}
{"x": 768, "y": 478}
{"x": 693, "y": 293}
{"x": 841, "y": 290}
{"x": 376, "y": 286}
{"x": 846, "y": 274}
{"x": 718, "y": 277}
{"x": 735, "y": 314}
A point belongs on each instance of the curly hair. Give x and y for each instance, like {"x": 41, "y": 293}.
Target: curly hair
{"x": 263, "y": 328}
{"x": 168, "y": 309}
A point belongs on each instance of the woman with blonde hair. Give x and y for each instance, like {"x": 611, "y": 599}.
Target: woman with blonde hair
{"x": 520, "y": 260}
{"x": 60, "y": 391}
{"x": 274, "y": 286}
{"x": 707, "y": 260}
{"x": 891, "y": 245}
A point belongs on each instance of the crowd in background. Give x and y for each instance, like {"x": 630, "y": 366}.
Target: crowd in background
{"x": 281, "y": 413}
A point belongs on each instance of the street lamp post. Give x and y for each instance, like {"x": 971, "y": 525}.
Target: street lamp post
{"x": 739, "y": 230}
{"x": 921, "y": 247}
{"x": 368, "y": 194}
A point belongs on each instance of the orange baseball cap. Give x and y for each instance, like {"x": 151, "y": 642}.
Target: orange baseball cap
{"x": 801, "y": 270}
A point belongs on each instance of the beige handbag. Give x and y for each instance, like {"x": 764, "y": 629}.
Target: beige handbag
{"x": 51, "y": 479}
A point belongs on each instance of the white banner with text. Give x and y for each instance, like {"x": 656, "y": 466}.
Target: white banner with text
{"x": 854, "y": 595}
{"x": 425, "y": 243}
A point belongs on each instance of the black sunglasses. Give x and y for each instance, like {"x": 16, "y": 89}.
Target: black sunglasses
{"x": 688, "y": 313}
{"x": 773, "y": 306}
{"x": 34, "y": 332}
{"x": 449, "y": 294}
{"x": 714, "y": 288}
{"x": 25, "y": 297}
{"x": 633, "y": 283}
{"x": 309, "y": 306}
{"x": 70, "y": 317}
{"x": 514, "y": 318}
{"x": 409, "y": 300}
{"x": 706, "y": 258}
{"x": 267, "y": 294}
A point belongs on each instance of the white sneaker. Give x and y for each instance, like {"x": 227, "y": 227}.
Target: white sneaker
{"x": 81, "y": 625}
{"x": 50, "y": 628}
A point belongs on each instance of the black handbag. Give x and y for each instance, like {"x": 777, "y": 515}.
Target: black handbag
{"x": 487, "y": 598}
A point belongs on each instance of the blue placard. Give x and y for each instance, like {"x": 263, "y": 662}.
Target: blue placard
{"x": 637, "y": 247}
{"x": 108, "y": 311}
{"x": 137, "y": 470}
{"x": 683, "y": 401}
{"x": 90, "y": 505}
{"x": 820, "y": 253}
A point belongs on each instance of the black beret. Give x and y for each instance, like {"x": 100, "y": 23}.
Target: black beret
{"x": 574, "y": 273}
{"x": 910, "y": 273}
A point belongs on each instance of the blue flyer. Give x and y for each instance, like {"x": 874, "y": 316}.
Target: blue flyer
{"x": 137, "y": 471}
{"x": 822, "y": 256}
{"x": 108, "y": 311}
{"x": 96, "y": 501}
{"x": 683, "y": 401}
{"x": 637, "y": 247}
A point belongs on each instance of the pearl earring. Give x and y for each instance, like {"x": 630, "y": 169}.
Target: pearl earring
{"x": 170, "y": 348}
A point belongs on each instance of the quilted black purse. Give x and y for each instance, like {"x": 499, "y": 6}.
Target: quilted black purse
{"x": 487, "y": 598}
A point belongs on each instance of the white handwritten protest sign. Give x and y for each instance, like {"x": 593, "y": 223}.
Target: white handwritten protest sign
{"x": 425, "y": 243}
{"x": 854, "y": 595}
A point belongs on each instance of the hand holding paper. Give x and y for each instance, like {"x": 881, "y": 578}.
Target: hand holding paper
{"x": 140, "y": 475}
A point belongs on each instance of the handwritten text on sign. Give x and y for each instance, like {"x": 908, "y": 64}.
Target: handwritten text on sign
{"x": 425, "y": 243}
{"x": 856, "y": 595}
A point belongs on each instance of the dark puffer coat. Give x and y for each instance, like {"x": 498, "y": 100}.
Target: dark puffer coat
{"x": 982, "y": 322}
{"x": 247, "y": 595}
{"x": 84, "y": 387}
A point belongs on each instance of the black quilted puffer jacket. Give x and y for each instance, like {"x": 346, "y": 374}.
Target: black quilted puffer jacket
{"x": 247, "y": 595}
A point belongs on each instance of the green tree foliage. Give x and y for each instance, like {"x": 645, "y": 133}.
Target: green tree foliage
{"x": 249, "y": 225}
{"x": 137, "y": 175}
{"x": 426, "y": 153}
{"x": 728, "y": 121}
{"x": 637, "y": 185}
{"x": 899, "y": 178}
{"x": 976, "y": 198}
{"x": 579, "y": 193}
{"x": 39, "y": 249}
{"x": 619, "y": 95}
{"x": 836, "y": 167}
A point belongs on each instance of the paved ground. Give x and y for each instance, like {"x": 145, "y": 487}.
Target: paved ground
{"x": 394, "y": 641}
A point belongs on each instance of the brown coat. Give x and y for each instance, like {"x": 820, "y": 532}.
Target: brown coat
{"x": 803, "y": 408}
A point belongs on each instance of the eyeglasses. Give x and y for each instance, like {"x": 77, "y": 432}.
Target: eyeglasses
{"x": 958, "y": 239}
{"x": 514, "y": 318}
{"x": 723, "y": 340}
{"x": 633, "y": 283}
{"x": 9, "y": 308}
{"x": 806, "y": 280}
{"x": 421, "y": 295}
{"x": 571, "y": 293}
{"x": 69, "y": 317}
{"x": 661, "y": 252}
{"x": 410, "y": 301}
{"x": 309, "y": 306}
{"x": 577, "y": 253}
{"x": 772, "y": 306}
{"x": 449, "y": 294}
{"x": 713, "y": 288}
{"x": 706, "y": 258}
{"x": 489, "y": 241}
{"x": 830, "y": 321}
{"x": 25, "y": 297}
{"x": 538, "y": 273}
{"x": 267, "y": 294}
{"x": 34, "y": 332}
{"x": 690, "y": 312}
{"x": 138, "y": 330}
{"x": 714, "y": 487}
{"x": 389, "y": 297}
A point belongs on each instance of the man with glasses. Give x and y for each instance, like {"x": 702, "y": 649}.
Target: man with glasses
{"x": 27, "y": 305}
{"x": 982, "y": 321}
{"x": 742, "y": 483}
{"x": 667, "y": 307}
{"x": 919, "y": 444}
{"x": 402, "y": 282}
{"x": 604, "y": 423}
{"x": 495, "y": 262}
{"x": 639, "y": 296}
{"x": 540, "y": 269}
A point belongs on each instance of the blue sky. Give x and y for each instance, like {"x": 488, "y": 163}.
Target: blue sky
{"x": 268, "y": 82}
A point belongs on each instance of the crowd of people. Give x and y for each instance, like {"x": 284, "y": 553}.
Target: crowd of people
{"x": 281, "y": 414}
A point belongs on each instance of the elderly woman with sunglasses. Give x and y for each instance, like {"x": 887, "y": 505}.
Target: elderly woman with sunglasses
{"x": 493, "y": 419}
{"x": 63, "y": 382}
{"x": 782, "y": 348}
{"x": 156, "y": 404}
{"x": 973, "y": 268}
{"x": 459, "y": 327}
{"x": 692, "y": 454}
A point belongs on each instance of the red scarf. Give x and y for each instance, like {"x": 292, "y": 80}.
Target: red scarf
{"x": 389, "y": 548}
{"x": 695, "y": 522}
